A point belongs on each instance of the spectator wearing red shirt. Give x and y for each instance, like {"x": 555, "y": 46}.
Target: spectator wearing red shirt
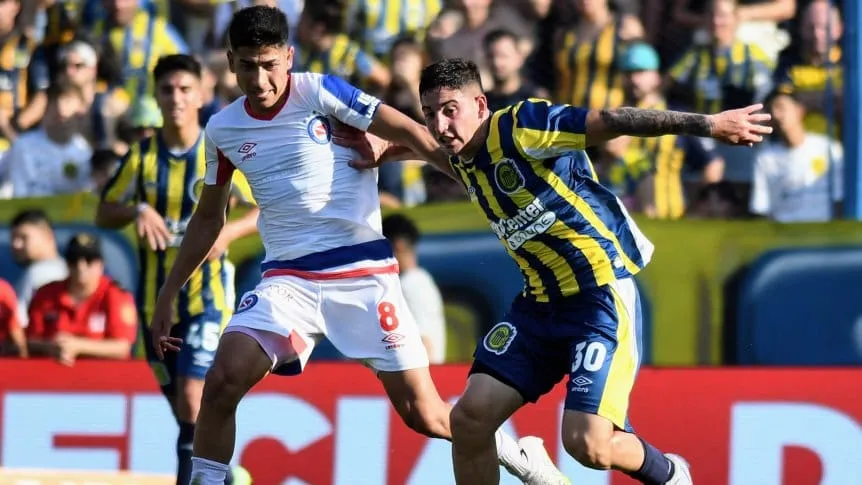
{"x": 12, "y": 342}
{"x": 86, "y": 315}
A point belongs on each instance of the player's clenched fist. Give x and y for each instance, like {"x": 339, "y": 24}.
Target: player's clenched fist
{"x": 160, "y": 329}
{"x": 744, "y": 126}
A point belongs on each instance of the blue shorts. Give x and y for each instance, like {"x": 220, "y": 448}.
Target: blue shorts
{"x": 593, "y": 338}
{"x": 200, "y": 336}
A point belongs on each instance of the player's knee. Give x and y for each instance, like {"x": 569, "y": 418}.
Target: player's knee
{"x": 468, "y": 421}
{"x": 225, "y": 385}
{"x": 589, "y": 449}
{"x": 187, "y": 401}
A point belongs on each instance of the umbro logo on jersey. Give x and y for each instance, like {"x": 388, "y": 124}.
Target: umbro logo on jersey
{"x": 247, "y": 151}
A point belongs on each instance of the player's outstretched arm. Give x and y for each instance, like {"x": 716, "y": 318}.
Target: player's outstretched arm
{"x": 745, "y": 126}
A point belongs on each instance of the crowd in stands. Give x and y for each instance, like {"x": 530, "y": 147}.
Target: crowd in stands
{"x": 76, "y": 92}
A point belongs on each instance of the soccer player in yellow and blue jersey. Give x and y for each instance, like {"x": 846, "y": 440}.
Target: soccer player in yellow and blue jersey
{"x": 135, "y": 38}
{"x": 578, "y": 250}
{"x": 157, "y": 186}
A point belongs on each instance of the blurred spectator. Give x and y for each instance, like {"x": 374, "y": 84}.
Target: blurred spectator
{"x": 55, "y": 159}
{"x": 104, "y": 106}
{"x": 34, "y": 248}
{"x": 103, "y": 165}
{"x": 651, "y": 169}
{"x": 422, "y": 295}
{"x": 586, "y": 57}
{"x": 141, "y": 122}
{"x": 132, "y": 39}
{"x": 19, "y": 109}
{"x": 408, "y": 59}
{"x": 86, "y": 315}
{"x": 797, "y": 175}
{"x": 12, "y": 341}
{"x": 717, "y": 201}
{"x": 479, "y": 18}
{"x": 725, "y": 73}
{"x": 323, "y": 49}
{"x": 377, "y": 24}
{"x": 212, "y": 100}
{"x": 812, "y": 69}
{"x": 505, "y": 62}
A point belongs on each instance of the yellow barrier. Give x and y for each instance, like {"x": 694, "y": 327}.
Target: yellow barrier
{"x": 67, "y": 477}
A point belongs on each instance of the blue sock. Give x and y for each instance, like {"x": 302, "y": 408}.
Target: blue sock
{"x": 656, "y": 470}
{"x": 184, "y": 453}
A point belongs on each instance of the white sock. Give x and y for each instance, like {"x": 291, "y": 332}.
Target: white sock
{"x": 511, "y": 456}
{"x": 208, "y": 472}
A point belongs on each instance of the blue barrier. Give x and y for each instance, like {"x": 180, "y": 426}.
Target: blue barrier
{"x": 801, "y": 307}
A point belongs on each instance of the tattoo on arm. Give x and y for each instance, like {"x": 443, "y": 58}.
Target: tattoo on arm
{"x": 650, "y": 122}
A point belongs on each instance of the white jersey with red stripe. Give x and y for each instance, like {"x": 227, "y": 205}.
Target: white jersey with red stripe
{"x": 319, "y": 217}
{"x": 328, "y": 269}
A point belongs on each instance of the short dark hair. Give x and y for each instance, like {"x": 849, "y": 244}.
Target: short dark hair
{"x": 778, "y": 93}
{"x": 500, "y": 34}
{"x": 326, "y": 13}
{"x": 449, "y": 74}
{"x": 258, "y": 26}
{"x": 103, "y": 159}
{"x": 174, "y": 63}
{"x": 399, "y": 226}
{"x": 30, "y": 216}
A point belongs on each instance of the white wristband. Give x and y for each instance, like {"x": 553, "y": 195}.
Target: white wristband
{"x": 140, "y": 208}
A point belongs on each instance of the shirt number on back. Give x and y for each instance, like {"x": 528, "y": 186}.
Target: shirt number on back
{"x": 204, "y": 336}
{"x": 589, "y": 355}
{"x": 386, "y": 313}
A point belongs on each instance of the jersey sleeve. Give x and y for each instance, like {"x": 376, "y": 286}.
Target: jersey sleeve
{"x": 219, "y": 167}
{"x": 345, "y": 102}
{"x": 121, "y": 189}
{"x": 544, "y": 130}
{"x": 122, "y": 318}
{"x": 9, "y": 307}
{"x": 170, "y": 41}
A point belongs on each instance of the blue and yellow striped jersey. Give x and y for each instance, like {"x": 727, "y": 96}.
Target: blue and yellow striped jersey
{"x": 344, "y": 59}
{"x": 714, "y": 79}
{"x": 795, "y": 75}
{"x": 587, "y": 71}
{"x": 377, "y": 24}
{"x": 171, "y": 184}
{"x": 138, "y": 47}
{"x": 539, "y": 191}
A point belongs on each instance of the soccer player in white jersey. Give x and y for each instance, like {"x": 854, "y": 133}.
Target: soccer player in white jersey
{"x": 328, "y": 269}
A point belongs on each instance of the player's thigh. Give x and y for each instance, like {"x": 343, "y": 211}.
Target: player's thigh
{"x": 605, "y": 354}
{"x": 485, "y": 405}
{"x": 367, "y": 319}
{"x": 282, "y": 315}
{"x": 520, "y": 353}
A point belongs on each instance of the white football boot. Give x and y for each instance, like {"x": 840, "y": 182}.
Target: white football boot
{"x": 681, "y": 472}
{"x": 544, "y": 472}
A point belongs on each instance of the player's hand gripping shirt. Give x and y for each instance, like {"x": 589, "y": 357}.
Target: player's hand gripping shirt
{"x": 538, "y": 189}
{"x": 319, "y": 216}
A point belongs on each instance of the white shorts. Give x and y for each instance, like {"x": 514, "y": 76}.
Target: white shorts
{"x": 365, "y": 318}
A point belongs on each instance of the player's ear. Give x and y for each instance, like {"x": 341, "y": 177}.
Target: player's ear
{"x": 289, "y": 57}
{"x": 230, "y": 61}
{"x": 482, "y": 101}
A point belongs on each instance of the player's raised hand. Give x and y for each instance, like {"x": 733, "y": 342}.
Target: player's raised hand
{"x": 160, "y": 328}
{"x": 371, "y": 148}
{"x": 744, "y": 126}
{"x": 151, "y": 227}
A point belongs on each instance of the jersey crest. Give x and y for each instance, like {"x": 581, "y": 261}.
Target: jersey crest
{"x": 319, "y": 130}
{"x": 508, "y": 176}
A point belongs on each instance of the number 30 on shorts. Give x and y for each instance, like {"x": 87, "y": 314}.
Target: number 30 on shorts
{"x": 590, "y": 356}
{"x": 386, "y": 314}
